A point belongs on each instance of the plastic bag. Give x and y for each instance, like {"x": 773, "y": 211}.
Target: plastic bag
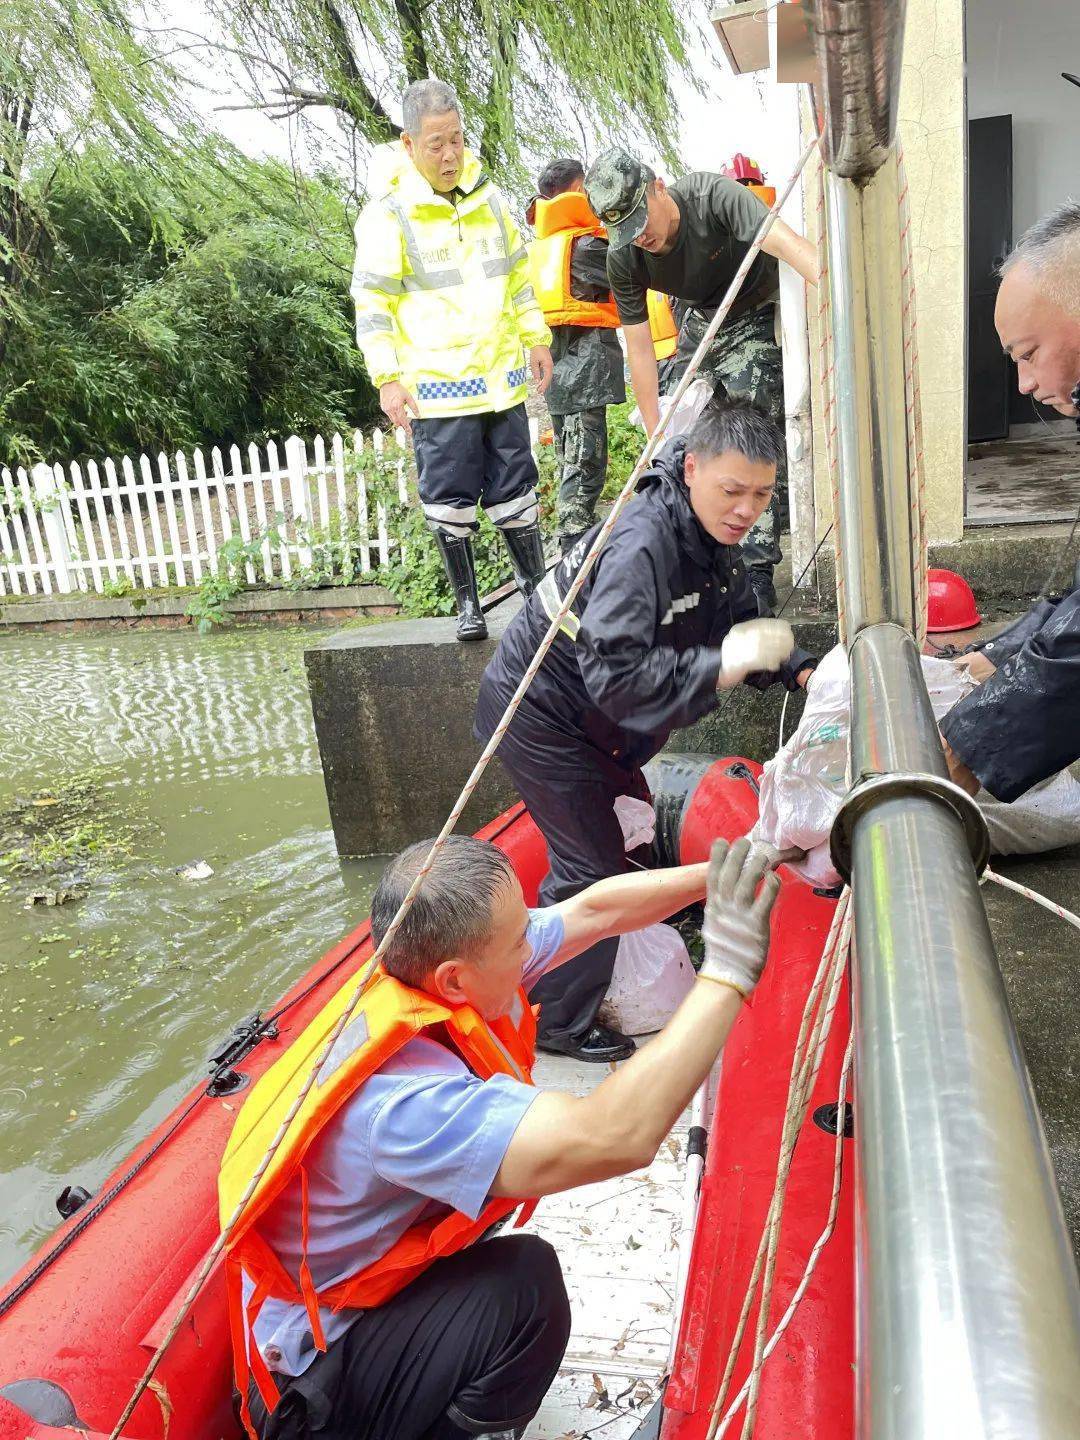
{"x": 805, "y": 781}
{"x": 804, "y": 784}
{"x": 697, "y": 396}
{"x": 637, "y": 820}
{"x": 653, "y": 976}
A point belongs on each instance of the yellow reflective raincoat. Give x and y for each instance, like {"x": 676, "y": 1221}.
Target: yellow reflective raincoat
{"x": 444, "y": 300}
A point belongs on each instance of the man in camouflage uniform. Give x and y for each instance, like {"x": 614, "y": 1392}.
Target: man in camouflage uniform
{"x": 688, "y": 240}
{"x": 588, "y": 360}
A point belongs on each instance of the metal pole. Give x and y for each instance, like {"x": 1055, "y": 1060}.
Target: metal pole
{"x": 967, "y": 1297}
{"x": 868, "y": 369}
{"x": 968, "y": 1309}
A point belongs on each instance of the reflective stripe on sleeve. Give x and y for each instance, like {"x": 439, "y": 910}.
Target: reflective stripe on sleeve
{"x": 548, "y": 592}
{"x": 381, "y": 284}
{"x": 369, "y": 324}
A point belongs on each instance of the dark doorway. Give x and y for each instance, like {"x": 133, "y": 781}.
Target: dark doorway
{"x": 990, "y": 202}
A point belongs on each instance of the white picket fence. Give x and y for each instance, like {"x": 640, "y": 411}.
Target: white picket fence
{"x": 162, "y": 522}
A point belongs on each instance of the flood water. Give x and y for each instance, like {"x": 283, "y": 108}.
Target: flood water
{"x": 159, "y": 749}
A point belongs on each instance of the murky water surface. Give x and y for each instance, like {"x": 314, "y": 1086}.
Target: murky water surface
{"x": 157, "y": 749}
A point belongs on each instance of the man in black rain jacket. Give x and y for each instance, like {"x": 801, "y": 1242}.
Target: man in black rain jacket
{"x": 1022, "y": 724}
{"x": 665, "y": 623}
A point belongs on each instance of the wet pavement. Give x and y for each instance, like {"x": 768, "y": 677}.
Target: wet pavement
{"x": 1039, "y": 956}
{"x": 144, "y": 753}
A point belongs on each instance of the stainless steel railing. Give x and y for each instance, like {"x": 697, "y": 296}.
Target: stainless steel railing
{"x": 967, "y": 1294}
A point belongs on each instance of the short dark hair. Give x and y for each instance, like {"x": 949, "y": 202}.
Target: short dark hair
{"x": 558, "y": 176}
{"x": 736, "y": 426}
{"x": 451, "y": 915}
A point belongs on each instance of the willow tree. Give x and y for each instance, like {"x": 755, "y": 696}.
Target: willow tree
{"x": 530, "y": 73}
{"x": 72, "y": 71}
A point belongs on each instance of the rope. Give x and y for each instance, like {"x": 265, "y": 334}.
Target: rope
{"x": 913, "y": 404}
{"x": 819, "y": 1243}
{"x": 1051, "y": 905}
{"x": 471, "y": 783}
{"x": 795, "y": 1118}
{"x": 828, "y": 400}
{"x": 806, "y": 1061}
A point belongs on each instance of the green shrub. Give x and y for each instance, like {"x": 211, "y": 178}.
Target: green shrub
{"x": 625, "y": 444}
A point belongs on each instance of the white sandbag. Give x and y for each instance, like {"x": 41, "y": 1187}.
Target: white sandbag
{"x": 653, "y": 976}
{"x": 802, "y": 787}
{"x": 1044, "y": 818}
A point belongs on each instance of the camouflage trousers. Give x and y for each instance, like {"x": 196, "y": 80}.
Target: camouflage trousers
{"x": 744, "y": 363}
{"x": 581, "y": 447}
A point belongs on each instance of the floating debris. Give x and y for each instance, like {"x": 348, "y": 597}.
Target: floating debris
{"x": 57, "y": 841}
{"x": 53, "y": 897}
{"x": 195, "y": 870}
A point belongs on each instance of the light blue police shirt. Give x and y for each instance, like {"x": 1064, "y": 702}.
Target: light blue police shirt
{"x": 422, "y": 1136}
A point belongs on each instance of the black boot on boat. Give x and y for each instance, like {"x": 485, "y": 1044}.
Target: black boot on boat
{"x": 526, "y": 546}
{"x": 457, "y": 556}
{"x": 602, "y": 1044}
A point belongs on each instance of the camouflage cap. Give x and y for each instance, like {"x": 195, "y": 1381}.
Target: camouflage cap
{"x": 615, "y": 184}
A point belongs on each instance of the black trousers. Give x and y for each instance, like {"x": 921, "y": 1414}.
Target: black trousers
{"x": 466, "y": 460}
{"x": 469, "y": 1348}
{"x": 570, "y": 788}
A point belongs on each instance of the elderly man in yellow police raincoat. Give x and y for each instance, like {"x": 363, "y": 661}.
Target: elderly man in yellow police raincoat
{"x": 450, "y": 327}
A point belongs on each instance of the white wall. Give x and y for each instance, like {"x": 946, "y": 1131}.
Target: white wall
{"x": 1016, "y": 50}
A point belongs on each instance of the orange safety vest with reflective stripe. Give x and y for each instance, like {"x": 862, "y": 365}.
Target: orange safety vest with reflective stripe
{"x": 558, "y": 223}
{"x": 388, "y": 1016}
{"x": 662, "y": 327}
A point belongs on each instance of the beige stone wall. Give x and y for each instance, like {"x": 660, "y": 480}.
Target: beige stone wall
{"x": 932, "y": 126}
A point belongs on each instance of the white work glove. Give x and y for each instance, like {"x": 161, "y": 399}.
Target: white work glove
{"x": 736, "y": 928}
{"x": 753, "y": 645}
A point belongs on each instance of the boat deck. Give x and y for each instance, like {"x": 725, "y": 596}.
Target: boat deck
{"x": 618, "y": 1243}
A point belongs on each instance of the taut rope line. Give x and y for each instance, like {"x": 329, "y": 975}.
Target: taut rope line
{"x": 474, "y": 779}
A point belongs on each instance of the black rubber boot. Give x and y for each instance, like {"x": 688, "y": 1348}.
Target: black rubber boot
{"x": 526, "y": 548}
{"x": 457, "y": 556}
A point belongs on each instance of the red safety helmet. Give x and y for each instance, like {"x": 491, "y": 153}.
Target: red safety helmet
{"x": 951, "y": 604}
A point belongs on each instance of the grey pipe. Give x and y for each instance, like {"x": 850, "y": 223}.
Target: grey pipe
{"x": 859, "y": 45}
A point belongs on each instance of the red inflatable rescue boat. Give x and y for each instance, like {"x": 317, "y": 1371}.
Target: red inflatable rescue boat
{"x": 79, "y": 1323}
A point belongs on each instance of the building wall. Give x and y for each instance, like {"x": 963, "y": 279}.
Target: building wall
{"x": 1015, "y": 56}
{"x": 932, "y": 130}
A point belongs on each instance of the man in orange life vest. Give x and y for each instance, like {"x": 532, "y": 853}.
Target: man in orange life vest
{"x": 367, "y": 1300}
{"x": 568, "y": 259}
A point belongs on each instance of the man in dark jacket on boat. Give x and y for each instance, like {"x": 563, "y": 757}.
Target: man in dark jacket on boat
{"x": 425, "y": 1143}
{"x": 661, "y": 628}
{"x": 1022, "y": 723}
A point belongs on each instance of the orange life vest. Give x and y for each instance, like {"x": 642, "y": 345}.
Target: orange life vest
{"x": 389, "y": 1015}
{"x": 662, "y": 327}
{"x": 558, "y": 223}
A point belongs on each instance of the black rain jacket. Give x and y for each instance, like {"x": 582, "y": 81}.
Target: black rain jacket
{"x": 1023, "y": 724}
{"x": 650, "y": 620}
